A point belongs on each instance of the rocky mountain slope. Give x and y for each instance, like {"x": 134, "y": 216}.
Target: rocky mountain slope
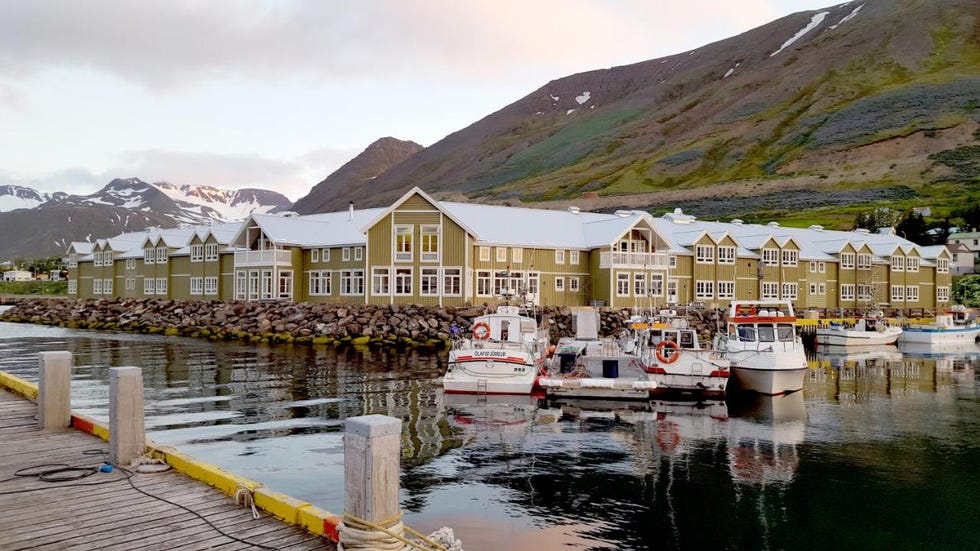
{"x": 42, "y": 225}
{"x": 356, "y": 174}
{"x": 868, "y": 96}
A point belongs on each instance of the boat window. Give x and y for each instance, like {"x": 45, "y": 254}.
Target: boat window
{"x": 746, "y": 333}
{"x": 687, "y": 339}
{"x": 670, "y": 335}
{"x": 504, "y": 330}
{"x": 785, "y": 332}
{"x": 767, "y": 333}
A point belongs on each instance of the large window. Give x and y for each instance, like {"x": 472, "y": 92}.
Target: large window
{"x": 149, "y": 286}
{"x": 942, "y": 265}
{"x": 149, "y": 256}
{"x": 211, "y": 285}
{"x": 161, "y": 255}
{"x": 770, "y": 257}
{"x": 197, "y": 284}
{"x": 286, "y": 284}
{"x": 726, "y": 289}
{"x": 96, "y": 286}
{"x": 161, "y": 285}
{"x": 107, "y": 286}
{"x": 847, "y": 260}
{"x": 791, "y": 258}
{"x": 704, "y": 289}
{"x": 484, "y": 284}
{"x": 430, "y": 243}
{"x": 452, "y": 282}
{"x": 790, "y": 290}
{"x": 403, "y": 243}
{"x": 320, "y": 283}
{"x": 704, "y": 254}
{"x": 211, "y": 252}
{"x": 352, "y": 282}
{"x": 403, "y": 281}
{"x": 197, "y": 255}
{"x": 770, "y": 290}
{"x": 380, "y": 281}
{"x": 898, "y": 293}
{"x": 639, "y": 285}
{"x": 898, "y": 263}
{"x": 559, "y": 257}
{"x": 656, "y": 285}
{"x": 864, "y": 261}
{"x": 912, "y": 293}
{"x": 241, "y": 283}
{"x": 429, "y": 281}
{"x": 622, "y": 285}
{"x": 911, "y": 264}
{"x": 865, "y": 292}
{"x": 573, "y": 257}
{"x": 573, "y": 284}
{"x": 847, "y": 291}
{"x": 942, "y": 293}
{"x": 726, "y": 255}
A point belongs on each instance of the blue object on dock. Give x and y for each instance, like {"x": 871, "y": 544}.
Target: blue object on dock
{"x": 610, "y": 369}
{"x": 107, "y": 468}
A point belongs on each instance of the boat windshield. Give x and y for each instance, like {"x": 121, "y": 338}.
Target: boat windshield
{"x": 766, "y": 333}
{"x": 785, "y": 332}
{"x": 746, "y": 333}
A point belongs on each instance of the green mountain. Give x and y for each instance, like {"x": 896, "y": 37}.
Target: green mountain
{"x": 856, "y": 104}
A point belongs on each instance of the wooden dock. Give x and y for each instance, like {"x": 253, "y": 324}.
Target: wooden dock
{"x": 104, "y": 512}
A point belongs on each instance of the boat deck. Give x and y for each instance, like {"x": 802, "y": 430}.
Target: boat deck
{"x": 104, "y": 512}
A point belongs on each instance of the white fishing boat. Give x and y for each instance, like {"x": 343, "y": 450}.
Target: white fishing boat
{"x": 870, "y": 330}
{"x": 503, "y": 355}
{"x": 586, "y": 366}
{"x": 675, "y": 358}
{"x": 767, "y": 355}
{"x": 953, "y": 326}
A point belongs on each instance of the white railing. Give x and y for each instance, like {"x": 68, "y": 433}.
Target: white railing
{"x": 610, "y": 259}
{"x": 263, "y": 258}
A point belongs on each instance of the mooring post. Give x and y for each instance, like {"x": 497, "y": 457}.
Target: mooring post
{"x": 372, "y": 452}
{"x": 127, "y": 439}
{"x": 54, "y": 390}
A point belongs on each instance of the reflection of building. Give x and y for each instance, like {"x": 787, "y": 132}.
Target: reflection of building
{"x": 439, "y": 253}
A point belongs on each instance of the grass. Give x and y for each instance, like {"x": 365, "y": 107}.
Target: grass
{"x": 42, "y": 288}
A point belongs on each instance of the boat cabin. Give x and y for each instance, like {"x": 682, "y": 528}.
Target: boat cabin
{"x": 506, "y": 325}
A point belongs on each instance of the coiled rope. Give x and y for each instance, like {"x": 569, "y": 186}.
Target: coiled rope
{"x": 244, "y": 497}
{"x": 359, "y": 533}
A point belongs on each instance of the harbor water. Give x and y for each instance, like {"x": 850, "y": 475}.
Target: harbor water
{"x": 881, "y": 450}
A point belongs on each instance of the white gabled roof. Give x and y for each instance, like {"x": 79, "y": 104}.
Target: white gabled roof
{"x": 82, "y": 247}
{"x": 933, "y": 251}
{"x": 313, "y": 230}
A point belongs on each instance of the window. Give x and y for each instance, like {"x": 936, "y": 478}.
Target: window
{"x": 656, "y": 285}
{"x": 813, "y": 288}
{"x": 358, "y": 253}
{"x": 517, "y": 255}
{"x": 241, "y": 283}
{"x": 770, "y": 290}
{"x": 380, "y": 281}
{"x": 672, "y": 261}
{"x": 790, "y": 290}
{"x": 484, "y": 254}
{"x": 130, "y": 263}
{"x": 864, "y": 262}
{"x": 97, "y": 259}
{"x": 847, "y": 291}
{"x": 211, "y": 252}
{"x": 107, "y": 286}
{"x": 898, "y": 263}
{"x": 484, "y": 283}
{"x": 211, "y": 285}
{"x": 898, "y": 293}
{"x": 345, "y": 254}
{"x": 403, "y": 243}
{"x": 72, "y": 286}
{"x": 813, "y": 267}
{"x": 559, "y": 257}
{"x": 704, "y": 289}
{"x": 149, "y": 256}
{"x": 320, "y": 283}
{"x": 73, "y": 260}
{"x": 161, "y": 255}
{"x": 501, "y": 254}
{"x": 149, "y": 286}
{"x": 912, "y": 293}
{"x": 770, "y": 257}
{"x": 96, "y": 286}
{"x": 315, "y": 255}
{"x": 325, "y": 255}
{"x": 639, "y": 285}
{"x": 573, "y": 257}
{"x": 942, "y": 265}
{"x": 622, "y": 285}
{"x": 197, "y": 253}
{"x": 573, "y": 284}
{"x": 161, "y": 285}
{"x": 704, "y": 254}
{"x": 559, "y": 285}
{"x": 942, "y": 293}
{"x": 429, "y": 282}
{"x": 197, "y": 285}
{"x": 912, "y": 264}
{"x": 726, "y": 255}
{"x": 403, "y": 281}
{"x": 726, "y": 289}
{"x": 822, "y": 289}
{"x": 286, "y": 284}
{"x": 430, "y": 243}
{"x": 130, "y": 283}
{"x": 822, "y": 267}
{"x": 352, "y": 282}
{"x": 847, "y": 260}
{"x": 791, "y": 258}
{"x": 452, "y": 282}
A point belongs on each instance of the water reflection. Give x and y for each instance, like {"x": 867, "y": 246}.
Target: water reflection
{"x": 899, "y": 428}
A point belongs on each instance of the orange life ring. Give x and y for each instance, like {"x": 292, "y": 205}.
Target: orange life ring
{"x": 673, "y": 356}
{"x": 481, "y": 331}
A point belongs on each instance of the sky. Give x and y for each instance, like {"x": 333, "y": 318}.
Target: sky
{"x": 278, "y": 94}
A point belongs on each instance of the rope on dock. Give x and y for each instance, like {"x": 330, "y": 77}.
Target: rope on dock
{"x": 244, "y": 497}
{"x": 359, "y": 533}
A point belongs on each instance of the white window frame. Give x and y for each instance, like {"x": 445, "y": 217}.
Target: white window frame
{"x": 107, "y": 286}
{"x": 574, "y": 284}
{"x": 813, "y": 288}
{"x": 197, "y": 253}
{"x": 847, "y": 260}
{"x": 211, "y": 286}
{"x": 381, "y": 281}
{"x": 72, "y": 286}
{"x": 130, "y": 283}
{"x": 790, "y": 291}
{"x": 149, "y": 286}
{"x": 403, "y": 281}
{"x": 898, "y": 293}
{"x": 517, "y": 255}
{"x": 162, "y": 256}
{"x": 864, "y": 261}
{"x": 942, "y": 294}
{"x": 865, "y": 291}
{"x": 770, "y": 290}
{"x": 358, "y": 254}
{"x": 770, "y": 257}
{"x": 942, "y": 265}
{"x": 639, "y": 285}
{"x": 672, "y": 261}
{"x": 573, "y": 257}
{"x": 726, "y": 290}
{"x": 484, "y": 253}
{"x": 912, "y": 293}
{"x": 559, "y": 284}
{"x": 484, "y": 283}
{"x": 813, "y": 266}
{"x": 210, "y": 252}
{"x": 452, "y": 282}
{"x": 847, "y": 291}
{"x": 315, "y": 256}
{"x": 501, "y": 254}
{"x": 428, "y": 277}
{"x": 197, "y": 286}
{"x": 791, "y": 258}
{"x": 162, "y": 285}
{"x": 345, "y": 254}
{"x": 622, "y": 284}
{"x": 912, "y": 264}
{"x": 429, "y": 237}
{"x": 898, "y": 264}
{"x": 404, "y": 235}
{"x": 822, "y": 289}
{"x": 96, "y": 286}
{"x": 726, "y": 255}
{"x": 149, "y": 256}
{"x": 559, "y": 257}
{"x": 130, "y": 263}
{"x": 822, "y": 267}
{"x": 324, "y": 255}
{"x": 656, "y": 287}
{"x": 73, "y": 261}
{"x": 704, "y": 289}
{"x": 704, "y": 254}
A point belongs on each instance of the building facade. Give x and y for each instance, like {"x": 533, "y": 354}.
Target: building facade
{"x": 422, "y": 251}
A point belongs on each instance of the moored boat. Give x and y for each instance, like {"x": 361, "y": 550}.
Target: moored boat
{"x": 953, "y": 326}
{"x": 674, "y": 357}
{"x": 503, "y": 355}
{"x": 870, "y": 330}
{"x": 761, "y": 342}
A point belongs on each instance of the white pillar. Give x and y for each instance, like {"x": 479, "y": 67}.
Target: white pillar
{"x": 127, "y": 439}
{"x": 54, "y": 390}
{"x": 372, "y": 452}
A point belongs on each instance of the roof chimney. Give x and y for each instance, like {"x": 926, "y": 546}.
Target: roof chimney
{"x": 574, "y": 210}
{"x": 350, "y": 211}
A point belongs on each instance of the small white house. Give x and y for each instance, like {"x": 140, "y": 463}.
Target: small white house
{"x": 17, "y": 275}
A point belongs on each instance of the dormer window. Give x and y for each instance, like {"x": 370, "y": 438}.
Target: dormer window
{"x": 161, "y": 255}
{"x": 149, "y": 256}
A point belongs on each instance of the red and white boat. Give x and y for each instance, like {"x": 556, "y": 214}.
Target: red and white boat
{"x": 504, "y": 354}
{"x": 766, "y": 353}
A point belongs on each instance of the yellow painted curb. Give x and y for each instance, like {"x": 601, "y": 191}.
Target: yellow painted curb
{"x": 279, "y": 505}
{"x": 18, "y": 386}
{"x": 210, "y": 474}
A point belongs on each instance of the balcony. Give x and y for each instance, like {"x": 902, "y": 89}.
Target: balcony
{"x": 272, "y": 257}
{"x": 649, "y": 261}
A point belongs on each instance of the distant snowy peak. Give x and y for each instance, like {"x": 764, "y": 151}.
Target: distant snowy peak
{"x": 226, "y": 204}
{"x": 20, "y": 197}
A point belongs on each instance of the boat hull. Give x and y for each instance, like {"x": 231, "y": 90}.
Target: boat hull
{"x": 924, "y": 335}
{"x": 846, "y": 337}
{"x": 770, "y": 382}
{"x": 481, "y": 379}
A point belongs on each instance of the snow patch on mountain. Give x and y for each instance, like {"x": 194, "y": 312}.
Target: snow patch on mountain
{"x": 20, "y": 197}
{"x": 814, "y": 23}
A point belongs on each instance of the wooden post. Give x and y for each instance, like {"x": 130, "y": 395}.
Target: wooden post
{"x": 372, "y": 451}
{"x": 127, "y": 439}
{"x": 54, "y": 390}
